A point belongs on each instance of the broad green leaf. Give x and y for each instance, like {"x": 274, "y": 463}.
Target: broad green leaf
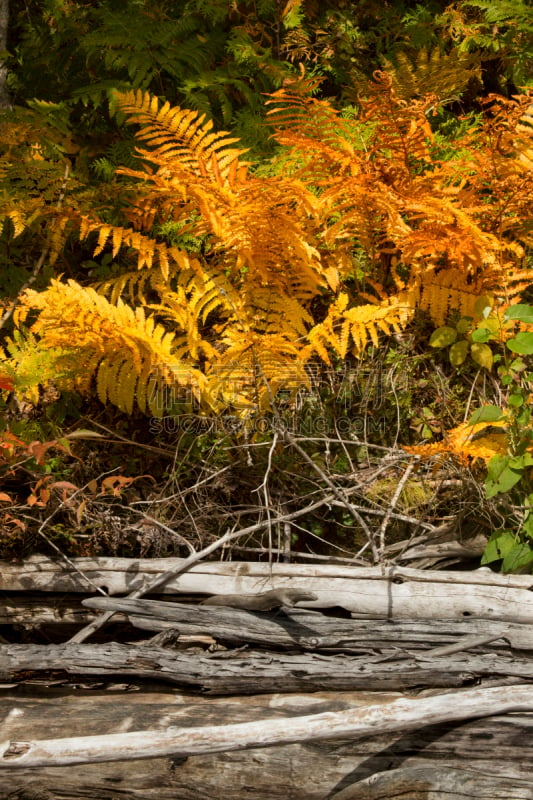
{"x": 519, "y": 558}
{"x": 486, "y": 414}
{"x": 523, "y": 417}
{"x": 491, "y": 324}
{"x": 522, "y": 343}
{"x": 516, "y": 400}
{"x": 527, "y": 526}
{"x": 482, "y": 354}
{"x": 496, "y": 466}
{"x": 481, "y": 335}
{"x": 521, "y": 462}
{"x": 520, "y": 311}
{"x": 508, "y": 478}
{"x": 458, "y": 353}
{"x": 499, "y": 545}
{"x": 442, "y": 337}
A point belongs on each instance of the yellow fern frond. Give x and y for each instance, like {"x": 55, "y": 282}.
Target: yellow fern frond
{"x": 148, "y": 250}
{"x": 253, "y": 368}
{"x": 361, "y": 323}
{"x": 180, "y": 137}
{"x": 126, "y": 351}
{"x": 448, "y": 291}
{"x": 18, "y": 219}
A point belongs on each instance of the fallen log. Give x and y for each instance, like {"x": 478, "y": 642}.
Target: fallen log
{"x": 435, "y": 783}
{"x": 253, "y": 672}
{"x": 388, "y": 592}
{"x": 310, "y": 630}
{"x": 498, "y": 749}
{"x": 403, "y": 714}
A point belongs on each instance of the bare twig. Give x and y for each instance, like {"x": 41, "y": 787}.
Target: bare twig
{"x": 339, "y": 494}
{"x": 392, "y": 504}
{"x": 465, "y": 643}
{"x": 264, "y": 487}
{"x": 166, "y": 528}
{"x": 159, "y": 580}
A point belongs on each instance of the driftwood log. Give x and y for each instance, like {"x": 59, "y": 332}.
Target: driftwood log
{"x": 493, "y": 756}
{"x": 389, "y": 592}
{"x": 253, "y": 672}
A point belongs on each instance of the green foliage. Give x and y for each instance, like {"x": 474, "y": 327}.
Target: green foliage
{"x": 501, "y": 31}
{"x": 511, "y": 474}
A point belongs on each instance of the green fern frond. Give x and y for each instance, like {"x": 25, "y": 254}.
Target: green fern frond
{"x": 433, "y": 72}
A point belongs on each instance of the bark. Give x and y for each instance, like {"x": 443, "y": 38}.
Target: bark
{"x": 309, "y": 630}
{"x": 430, "y": 783}
{"x": 254, "y": 672}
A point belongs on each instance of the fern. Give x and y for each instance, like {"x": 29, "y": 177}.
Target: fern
{"x": 359, "y": 325}
{"x": 433, "y": 72}
{"x": 466, "y": 443}
{"x": 337, "y": 244}
{"x": 128, "y": 354}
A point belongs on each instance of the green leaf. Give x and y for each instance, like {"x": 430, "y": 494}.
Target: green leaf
{"x": 481, "y": 335}
{"x": 521, "y": 462}
{"x": 527, "y": 526}
{"x": 458, "y": 353}
{"x": 482, "y": 354}
{"x": 442, "y": 337}
{"x": 522, "y": 343}
{"x": 523, "y": 417}
{"x": 499, "y": 545}
{"x": 518, "y": 559}
{"x": 486, "y": 414}
{"x": 520, "y": 311}
{"x": 516, "y": 400}
{"x": 507, "y": 479}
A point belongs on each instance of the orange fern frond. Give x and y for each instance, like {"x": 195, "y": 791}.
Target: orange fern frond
{"x": 466, "y": 443}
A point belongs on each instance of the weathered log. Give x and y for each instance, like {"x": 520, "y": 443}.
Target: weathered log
{"x": 305, "y": 629}
{"x": 499, "y": 749}
{"x": 402, "y": 714}
{"x": 252, "y": 673}
{"x": 389, "y": 592}
{"x": 261, "y": 601}
{"x": 310, "y": 630}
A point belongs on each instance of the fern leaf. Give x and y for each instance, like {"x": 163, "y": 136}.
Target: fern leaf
{"x": 126, "y": 351}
